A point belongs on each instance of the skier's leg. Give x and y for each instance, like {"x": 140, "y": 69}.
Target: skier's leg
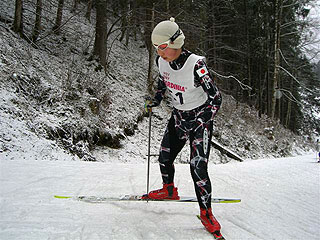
{"x": 200, "y": 149}
{"x": 171, "y": 145}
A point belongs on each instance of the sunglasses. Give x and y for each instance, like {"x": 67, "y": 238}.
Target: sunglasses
{"x": 163, "y": 46}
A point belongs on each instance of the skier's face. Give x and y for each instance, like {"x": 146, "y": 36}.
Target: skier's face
{"x": 169, "y": 54}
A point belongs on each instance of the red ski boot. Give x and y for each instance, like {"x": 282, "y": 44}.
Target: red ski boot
{"x": 210, "y": 223}
{"x": 167, "y": 192}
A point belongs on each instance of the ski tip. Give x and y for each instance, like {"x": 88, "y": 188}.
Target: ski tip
{"x": 61, "y": 197}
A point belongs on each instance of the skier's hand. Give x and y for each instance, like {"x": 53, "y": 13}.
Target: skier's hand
{"x": 150, "y": 103}
{"x": 214, "y": 104}
{"x": 210, "y": 111}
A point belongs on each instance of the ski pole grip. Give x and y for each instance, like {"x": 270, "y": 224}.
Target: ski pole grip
{"x": 147, "y": 106}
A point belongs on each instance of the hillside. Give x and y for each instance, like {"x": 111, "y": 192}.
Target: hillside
{"x": 51, "y": 91}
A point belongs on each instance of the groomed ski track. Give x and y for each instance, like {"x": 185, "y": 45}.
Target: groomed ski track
{"x": 280, "y": 200}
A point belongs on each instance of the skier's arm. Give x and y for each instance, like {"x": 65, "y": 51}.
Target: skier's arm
{"x": 161, "y": 89}
{"x": 207, "y": 82}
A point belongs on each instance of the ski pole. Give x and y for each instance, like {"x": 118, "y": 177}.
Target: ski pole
{"x": 149, "y": 141}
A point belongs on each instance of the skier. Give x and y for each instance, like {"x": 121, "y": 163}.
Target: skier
{"x": 195, "y": 100}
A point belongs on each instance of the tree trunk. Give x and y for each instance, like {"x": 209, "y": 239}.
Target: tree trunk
{"x": 129, "y": 22}
{"x": 151, "y": 54}
{"x": 278, "y": 13}
{"x": 168, "y": 6}
{"x": 75, "y": 5}
{"x": 17, "y": 24}
{"x": 289, "y": 110}
{"x": 124, "y": 9}
{"x": 211, "y": 31}
{"x": 134, "y": 19}
{"x": 57, "y": 25}
{"x": 37, "y": 25}
{"x": 88, "y": 12}
{"x": 246, "y": 93}
{"x": 100, "y": 49}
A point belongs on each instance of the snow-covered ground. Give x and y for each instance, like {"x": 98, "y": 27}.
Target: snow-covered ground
{"x": 280, "y": 196}
{"x": 280, "y": 200}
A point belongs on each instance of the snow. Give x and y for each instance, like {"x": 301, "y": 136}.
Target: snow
{"x": 280, "y": 200}
{"x": 39, "y": 93}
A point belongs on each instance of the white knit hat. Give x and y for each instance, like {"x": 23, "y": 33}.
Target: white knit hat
{"x": 167, "y": 30}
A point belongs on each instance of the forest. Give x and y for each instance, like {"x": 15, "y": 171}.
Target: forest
{"x": 260, "y": 52}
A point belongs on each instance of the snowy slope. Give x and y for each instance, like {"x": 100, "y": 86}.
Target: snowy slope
{"x": 48, "y": 92}
{"x": 280, "y": 200}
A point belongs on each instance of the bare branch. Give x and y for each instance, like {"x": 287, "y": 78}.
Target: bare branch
{"x": 242, "y": 85}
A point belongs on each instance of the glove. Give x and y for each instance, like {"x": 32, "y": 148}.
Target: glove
{"x": 150, "y": 103}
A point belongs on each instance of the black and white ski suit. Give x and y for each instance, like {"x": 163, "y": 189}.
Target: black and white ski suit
{"x": 196, "y": 100}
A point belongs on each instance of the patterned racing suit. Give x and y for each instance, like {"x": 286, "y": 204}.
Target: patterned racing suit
{"x": 193, "y": 124}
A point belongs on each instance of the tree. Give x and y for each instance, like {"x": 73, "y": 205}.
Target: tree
{"x": 88, "y": 12}
{"x": 37, "y": 24}
{"x": 57, "y": 25}
{"x": 125, "y": 9}
{"x": 18, "y": 23}
{"x": 277, "y": 32}
{"x": 75, "y": 5}
{"x": 150, "y": 14}
{"x": 100, "y": 49}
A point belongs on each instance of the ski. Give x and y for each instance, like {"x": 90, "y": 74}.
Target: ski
{"x": 130, "y": 197}
{"x": 216, "y": 235}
